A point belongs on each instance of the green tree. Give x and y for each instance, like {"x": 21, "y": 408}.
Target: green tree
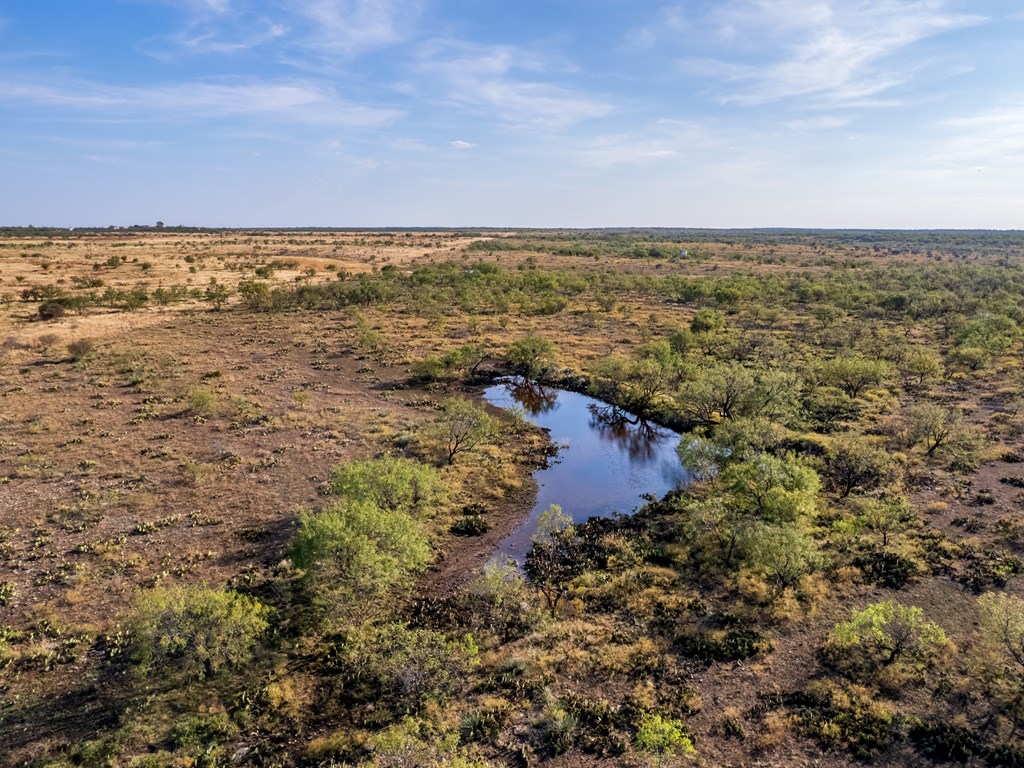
{"x": 216, "y": 294}
{"x": 462, "y": 427}
{"x": 1002, "y": 619}
{"x": 200, "y": 630}
{"x": 553, "y": 560}
{"x": 887, "y": 517}
{"x": 772, "y": 489}
{"x": 354, "y": 551}
{"x": 853, "y": 373}
{"x": 532, "y": 356}
{"x": 392, "y": 483}
{"x": 935, "y": 427}
{"x": 782, "y": 555}
{"x": 887, "y": 633}
{"x": 857, "y": 464}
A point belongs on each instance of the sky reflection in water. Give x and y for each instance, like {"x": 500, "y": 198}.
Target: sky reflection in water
{"x": 607, "y": 458}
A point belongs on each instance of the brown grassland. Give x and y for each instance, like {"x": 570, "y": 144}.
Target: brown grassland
{"x": 174, "y": 423}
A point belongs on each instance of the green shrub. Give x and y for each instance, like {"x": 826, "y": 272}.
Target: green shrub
{"x": 390, "y": 483}
{"x": 470, "y": 525}
{"x": 882, "y": 635}
{"x": 354, "y": 551}
{"x": 200, "y": 630}
{"x": 663, "y": 736}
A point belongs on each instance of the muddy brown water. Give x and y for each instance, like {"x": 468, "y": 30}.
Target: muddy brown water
{"x": 607, "y": 461}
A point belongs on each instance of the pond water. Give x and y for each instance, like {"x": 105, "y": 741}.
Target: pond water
{"x": 607, "y": 459}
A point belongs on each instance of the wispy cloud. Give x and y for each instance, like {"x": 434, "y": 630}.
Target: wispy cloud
{"x": 297, "y": 102}
{"x": 355, "y": 26}
{"x": 312, "y": 28}
{"x": 664, "y": 141}
{"x": 838, "y": 52}
{"x": 460, "y": 144}
{"x": 993, "y": 138}
{"x": 491, "y": 79}
{"x": 206, "y": 38}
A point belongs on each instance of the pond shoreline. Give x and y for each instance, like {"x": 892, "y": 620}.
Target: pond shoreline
{"x": 610, "y": 461}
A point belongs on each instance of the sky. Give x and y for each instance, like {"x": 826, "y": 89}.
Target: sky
{"x": 525, "y": 113}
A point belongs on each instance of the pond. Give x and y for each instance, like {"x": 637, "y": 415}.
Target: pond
{"x": 607, "y": 458}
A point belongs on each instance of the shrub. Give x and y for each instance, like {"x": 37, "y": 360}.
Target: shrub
{"x": 51, "y": 310}
{"x": 663, "y": 736}
{"x": 391, "y": 483}
{"x": 470, "y": 525}
{"x": 885, "y": 634}
{"x": 79, "y": 349}
{"x": 355, "y": 550}
{"x": 201, "y": 630}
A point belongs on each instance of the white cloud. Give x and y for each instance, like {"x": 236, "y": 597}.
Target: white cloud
{"x": 664, "y": 141}
{"x": 836, "y": 51}
{"x": 487, "y": 79}
{"x": 205, "y": 38}
{"x": 355, "y": 26}
{"x": 992, "y": 139}
{"x": 819, "y": 123}
{"x": 298, "y": 102}
{"x": 459, "y": 144}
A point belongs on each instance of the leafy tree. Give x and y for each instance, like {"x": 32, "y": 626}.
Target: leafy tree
{"x": 772, "y": 489}
{"x": 463, "y": 426}
{"x": 969, "y": 358}
{"x": 920, "y": 367}
{"x": 731, "y": 390}
{"x": 782, "y": 554}
{"x": 638, "y": 384}
{"x": 886, "y": 633}
{"x": 463, "y": 360}
{"x": 934, "y": 426}
{"x": 857, "y": 464}
{"x": 718, "y": 391}
{"x": 1002, "y": 619}
{"x": 853, "y": 373}
{"x": 887, "y": 517}
{"x": 201, "y": 630}
{"x": 553, "y": 561}
{"x": 392, "y": 483}
{"x": 532, "y": 356}
{"x": 217, "y": 294}
{"x": 991, "y": 332}
{"x": 354, "y": 551}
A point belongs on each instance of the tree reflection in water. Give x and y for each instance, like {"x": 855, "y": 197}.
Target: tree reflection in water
{"x": 536, "y": 399}
{"x": 633, "y": 434}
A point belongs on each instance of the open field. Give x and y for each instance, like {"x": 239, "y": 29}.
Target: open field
{"x": 173, "y": 405}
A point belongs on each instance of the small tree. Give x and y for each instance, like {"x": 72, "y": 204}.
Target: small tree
{"x": 934, "y": 426}
{"x": 216, "y": 294}
{"x": 354, "y": 551}
{"x": 783, "y": 555}
{"x": 884, "y": 634}
{"x": 532, "y": 356}
{"x": 394, "y": 484}
{"x": 887, "y": 517}
{"x": 853, "y": 373}
{"x": 202, "y": 630}
{"x": 553, "y": 562}
{"x": 857, "y": 464}
{"x": 1002, "y": 618}
{"x": 463, "y": 426}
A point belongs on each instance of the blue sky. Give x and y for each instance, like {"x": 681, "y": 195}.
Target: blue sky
{"x": 699, "y": 113}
